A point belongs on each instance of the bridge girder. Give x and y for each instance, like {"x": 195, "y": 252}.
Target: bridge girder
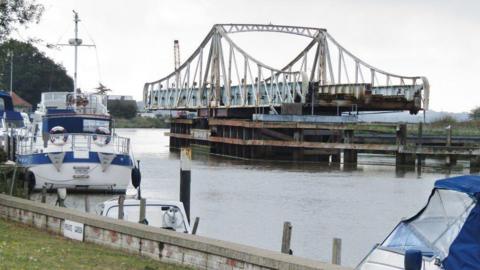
{"x": 220, "y": 74}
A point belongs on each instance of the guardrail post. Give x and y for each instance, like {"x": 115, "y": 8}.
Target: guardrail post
{"x": 337, "y": 251}
{"x": 286, "y": 238}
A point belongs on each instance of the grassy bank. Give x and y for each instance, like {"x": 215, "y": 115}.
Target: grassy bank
{"x": 141, "y": 122}
{"x": 23, "y": 247}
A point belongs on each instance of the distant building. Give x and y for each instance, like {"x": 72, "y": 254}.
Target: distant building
{"x": 119, "y": 97}
{"x": 20, "y": 105}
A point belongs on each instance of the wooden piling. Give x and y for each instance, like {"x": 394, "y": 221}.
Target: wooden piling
{"x": 474, "y": 164}
{"x": 26, "y": 192}
{"x": 185, "y": 179}
{"x": 286, "y": 237}
{"x": 195, "y": 225}
{"x": 12, "y": 183}
{"x": 87, "y": 203}
{"x": 121, "y": 200}
{"x": 337, "y": 251}
{"x": 143, "y": 206}
{"x": 44, "y": 194}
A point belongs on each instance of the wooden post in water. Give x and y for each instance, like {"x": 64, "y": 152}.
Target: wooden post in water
{"x": 337, "y": 251}
{"x": 121, "y": 200}
{"x": 195, "y": 225}
{"x": 185, "y": 179}
{"x": 286, "y": 237}
{"x": 44, "y": 194}
{"x": 450, "y": 160}
{"x": 419, "y": 146}
{"x": 143, "y": 209}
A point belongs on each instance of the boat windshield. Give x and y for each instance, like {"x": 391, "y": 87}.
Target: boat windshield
{"x": 433, "y": 230}
{"x": 161, "y": 216}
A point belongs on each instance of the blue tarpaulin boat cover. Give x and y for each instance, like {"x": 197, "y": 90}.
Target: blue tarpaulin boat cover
{"x": 469, "y": 184}
{"x": 464, "y": 252}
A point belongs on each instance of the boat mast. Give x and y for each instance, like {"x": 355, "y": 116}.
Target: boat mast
{"x": 76, "y": 43}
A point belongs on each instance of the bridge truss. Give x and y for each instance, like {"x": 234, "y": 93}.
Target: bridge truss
{"x": 323, "y": 76}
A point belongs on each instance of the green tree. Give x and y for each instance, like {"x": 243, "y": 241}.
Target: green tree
{"x": 17, "y": 12}
{"x": 475, "y": 114}
{"x": 33, "y": 71}
{"x": 122, "y": 108}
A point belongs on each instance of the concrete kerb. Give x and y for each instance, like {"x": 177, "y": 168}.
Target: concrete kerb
{"x": 247, "y": 254}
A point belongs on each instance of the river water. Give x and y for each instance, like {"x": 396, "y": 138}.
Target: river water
{"x": 248, "y": 201}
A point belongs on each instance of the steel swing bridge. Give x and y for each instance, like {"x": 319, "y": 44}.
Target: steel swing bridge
{"x": 323, "y": 78}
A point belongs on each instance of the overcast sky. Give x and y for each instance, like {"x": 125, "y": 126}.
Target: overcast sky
{"x": 434, "y": 38}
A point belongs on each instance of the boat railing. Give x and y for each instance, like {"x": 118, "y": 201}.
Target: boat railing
{"x": 72, "y": 142}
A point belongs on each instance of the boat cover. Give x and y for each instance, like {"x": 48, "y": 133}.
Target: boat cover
{"x": 464, "y": 252}
{"x": 469, "y": 184}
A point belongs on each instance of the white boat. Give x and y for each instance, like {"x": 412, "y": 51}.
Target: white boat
{"x": 71, "y": 143}
{"x": 75, "y": 148}
{"x": 445, "y": 234}
{"x": 158, "y": 213}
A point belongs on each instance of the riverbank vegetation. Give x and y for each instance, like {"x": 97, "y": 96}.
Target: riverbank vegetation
{"x": 142, "y": 122}
{"x": 24, "y": 247}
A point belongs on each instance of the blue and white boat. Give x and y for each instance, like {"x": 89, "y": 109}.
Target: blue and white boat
{"x": 72, "y": 144}
{"x": 445, "y": 234}
{"x": 11, "y": 122}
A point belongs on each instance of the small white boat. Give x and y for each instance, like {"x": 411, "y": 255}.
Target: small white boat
{"x": 158, "y": 213}
{"x": 445, "y": 234}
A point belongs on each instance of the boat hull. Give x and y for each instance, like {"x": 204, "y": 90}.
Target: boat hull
{"x": 83, "y": 174}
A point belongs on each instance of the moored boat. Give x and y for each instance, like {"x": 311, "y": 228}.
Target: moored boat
{"x": 445, "y": 234}
{"x": 72, "y": 143}
{"x": 74, "y": 146}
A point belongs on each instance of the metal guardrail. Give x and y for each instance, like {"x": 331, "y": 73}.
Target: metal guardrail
{"x": 72, "y": 141}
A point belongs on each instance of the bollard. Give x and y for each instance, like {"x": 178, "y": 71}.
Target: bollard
{"x": 142, "y": 218}
{"x": 286, "y": 237}
{"x": 337, "y": 251}
{"x": 185, "y": 179}
{"x": 121, "y": 200}
{"x": 44, "y": 194}
{"x": 87, "y": 204}
{"x": 195, "y": 225}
